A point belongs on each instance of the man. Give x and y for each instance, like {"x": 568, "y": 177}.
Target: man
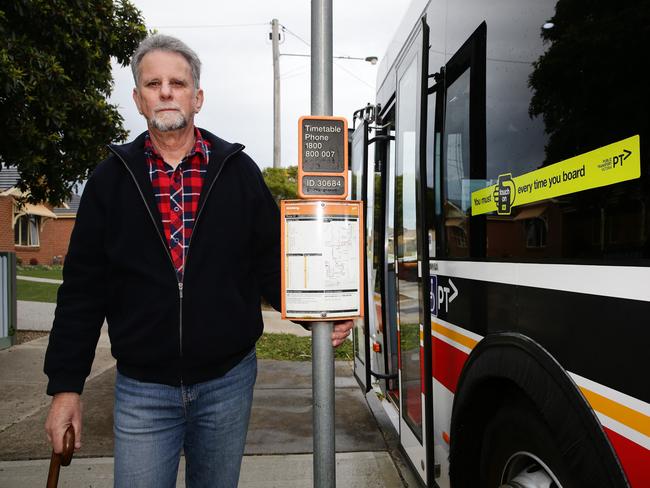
{"x": 176, "y": 239}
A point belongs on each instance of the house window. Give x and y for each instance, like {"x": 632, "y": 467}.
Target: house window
{"x": 459, "y": 236}
{"x": 536, "y": 231}
{"x": 26, "y": 230}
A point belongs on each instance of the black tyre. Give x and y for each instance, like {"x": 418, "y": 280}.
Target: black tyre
{"x": 515, "y": 407}
{"x": 519, "y": 451}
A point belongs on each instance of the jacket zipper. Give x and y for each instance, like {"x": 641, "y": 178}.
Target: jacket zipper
{"x": 162, "y": 240}
{"x": 200, "y": 211}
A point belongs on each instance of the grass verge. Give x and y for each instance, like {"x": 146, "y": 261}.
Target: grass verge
{"x": 33, "y": 291}
{"x": 51, "y": 272}
{"x": 287, "y": 347}
{"x": 283, "y": 347}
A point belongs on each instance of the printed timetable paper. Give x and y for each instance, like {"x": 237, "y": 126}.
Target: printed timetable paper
{"x": 322, "y": 260}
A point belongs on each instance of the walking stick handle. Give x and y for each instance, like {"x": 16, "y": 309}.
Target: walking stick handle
{"x": 63, "y": 459}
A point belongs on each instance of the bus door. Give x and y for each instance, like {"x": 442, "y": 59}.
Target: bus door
{"x": 458, "y": 169}
{"x": 410, "y": 253}
{"x": 359, "y": 191}
{"x": 386, "y": 302}
{"x": 378, "y": 343}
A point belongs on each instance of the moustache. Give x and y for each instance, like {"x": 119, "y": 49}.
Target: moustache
{"x": 173, "y": 107}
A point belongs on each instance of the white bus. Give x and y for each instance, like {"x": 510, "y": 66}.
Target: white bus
{"x": 505, "y": 170}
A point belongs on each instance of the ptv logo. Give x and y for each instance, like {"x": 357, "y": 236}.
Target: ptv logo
{"x": 618, "y": 159}
{"x": 441, "y": 295}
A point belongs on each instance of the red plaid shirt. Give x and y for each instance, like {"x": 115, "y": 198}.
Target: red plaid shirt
{"x": 177, "y": 194}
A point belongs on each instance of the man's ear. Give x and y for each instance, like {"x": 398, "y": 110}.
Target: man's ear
{"x": 136, "y": 99}
{"x": 199, "y": 100}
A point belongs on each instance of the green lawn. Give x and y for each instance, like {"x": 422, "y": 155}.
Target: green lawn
{"x": 270, "y": 346}
{"x": 51, "y": 272}
{"x": 33, "y": 291}
{"x": 293, "y": 348}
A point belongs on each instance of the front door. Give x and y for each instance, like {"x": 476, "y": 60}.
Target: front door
{"x": 459, "y": 169}
{"x": 411, "y": 312}
{"x": 358, "y": 191}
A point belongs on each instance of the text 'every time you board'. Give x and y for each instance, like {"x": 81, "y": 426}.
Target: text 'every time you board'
{"x": 614, "y": 163}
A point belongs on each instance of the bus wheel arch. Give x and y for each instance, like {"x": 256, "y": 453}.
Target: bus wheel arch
{"x": 510, "y": 372}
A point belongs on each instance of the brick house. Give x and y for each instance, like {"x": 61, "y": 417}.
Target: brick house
{"x": 39, "y": 234}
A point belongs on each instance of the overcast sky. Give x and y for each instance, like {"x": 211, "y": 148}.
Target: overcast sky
{"x": 232, "y": 40}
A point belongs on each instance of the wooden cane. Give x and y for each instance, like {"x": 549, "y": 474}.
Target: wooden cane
{"x": 62, "y": 459}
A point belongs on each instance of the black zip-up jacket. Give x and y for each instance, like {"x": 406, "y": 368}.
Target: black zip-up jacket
{"x": 118, "y": 266}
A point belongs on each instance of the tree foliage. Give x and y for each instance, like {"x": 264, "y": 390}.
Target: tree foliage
{"x": 55, "y": 78}
{"x": 592, "y": 47}
{"x": 283, "y": 182}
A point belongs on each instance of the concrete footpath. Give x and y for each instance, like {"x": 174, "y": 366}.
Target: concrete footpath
{"x": 279, "y": 443}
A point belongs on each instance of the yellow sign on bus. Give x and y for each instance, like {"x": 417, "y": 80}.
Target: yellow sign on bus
{"x": 620, "y": 161}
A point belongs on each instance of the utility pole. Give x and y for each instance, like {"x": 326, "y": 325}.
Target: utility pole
{"x": 275, "y": 38}
{"x": 322, "y": 350}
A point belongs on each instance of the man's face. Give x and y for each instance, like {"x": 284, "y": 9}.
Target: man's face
{"x": 165, "y": 94}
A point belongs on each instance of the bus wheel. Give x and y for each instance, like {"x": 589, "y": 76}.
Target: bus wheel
{"x": 518, "y": 451}
{"x": 525, "y": 470}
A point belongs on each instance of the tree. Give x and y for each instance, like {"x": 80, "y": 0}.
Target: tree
{"x": 587, "y": 85}
{"x": 283, "y": 182}
{"x": 55, "y": 78}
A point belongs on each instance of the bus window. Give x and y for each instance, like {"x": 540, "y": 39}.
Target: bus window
{"x": 536, "y": 119}
{"x": 389, "y": 301}
{"x": 456, "y": 170}
{"x": 407, "y": 248}
{"x": 358, "y": 166}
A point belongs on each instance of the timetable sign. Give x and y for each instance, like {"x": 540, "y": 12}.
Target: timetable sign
{"x": 323, "y": 157}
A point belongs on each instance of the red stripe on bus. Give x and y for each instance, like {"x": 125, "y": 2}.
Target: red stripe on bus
{"x": 422, "y": 370}
{"x": 413, "y": 400}
{"x": 447, "y": 363}
{"x": 634, "y": 458}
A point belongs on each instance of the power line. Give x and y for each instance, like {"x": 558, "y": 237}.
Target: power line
{"x": 354, "y": 76}
{"x": 292, "y": 71}
{"x": 284, "y": 27}
{"x": 336, "y": 64}
{"x": 295, "y": 74}
{"x": 302, "y": 70}
{"x": 206, "y": 26}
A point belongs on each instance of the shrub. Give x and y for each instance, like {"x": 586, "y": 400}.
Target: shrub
{"x": 33, "y": 261}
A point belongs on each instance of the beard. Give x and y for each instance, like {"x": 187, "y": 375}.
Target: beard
{"x": 168, "y": 121}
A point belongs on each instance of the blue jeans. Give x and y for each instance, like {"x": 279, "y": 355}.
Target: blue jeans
{"x": 207, "y": 420}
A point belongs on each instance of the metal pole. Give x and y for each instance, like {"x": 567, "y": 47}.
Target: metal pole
{"x": 275, "y": 34}
{"x": 321, "y": 57}
{"x": 322, "y": 351}
{"x": 322, "y": 368}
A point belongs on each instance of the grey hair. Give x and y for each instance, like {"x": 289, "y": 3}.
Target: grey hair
{"x": 162, "y": 42}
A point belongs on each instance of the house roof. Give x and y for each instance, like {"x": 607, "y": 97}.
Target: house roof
{"x": 70, "y": 206}
{"x": 9, "y": 176}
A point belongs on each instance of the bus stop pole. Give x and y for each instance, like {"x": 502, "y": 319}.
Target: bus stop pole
{"x": 321, "y": 57}
{"x": 323, "y": 402}
{"x": 322, "y": 351}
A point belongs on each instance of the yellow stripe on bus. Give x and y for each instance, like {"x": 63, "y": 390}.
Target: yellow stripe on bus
{"x": 614, "y": 410}
{"x": 601, "y": 167}
{"x": 453, "y": 335}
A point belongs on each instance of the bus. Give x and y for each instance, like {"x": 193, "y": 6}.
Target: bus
{"x": 505, "y": 170}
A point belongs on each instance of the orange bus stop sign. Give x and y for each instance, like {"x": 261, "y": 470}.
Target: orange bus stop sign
{"x": 322, "y": 157}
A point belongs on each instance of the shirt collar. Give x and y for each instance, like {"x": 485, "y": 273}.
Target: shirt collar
{"x": 200, "y": 148}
